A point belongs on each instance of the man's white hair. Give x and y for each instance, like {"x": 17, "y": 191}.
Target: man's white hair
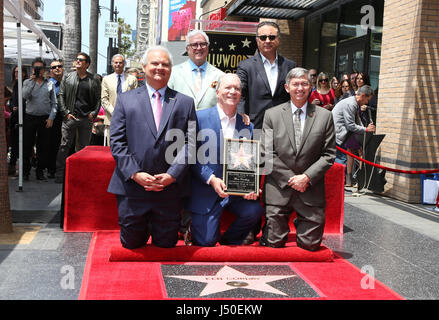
{"x": 155, "y": 48}
{"x": 194, "y": 33}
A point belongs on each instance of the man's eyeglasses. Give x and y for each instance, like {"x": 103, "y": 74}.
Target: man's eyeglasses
{"x": 80, "y": 59}
{"x": 57, "y": 66}
{"x": 264, "y": 37}
{"x": 194, "y": 46}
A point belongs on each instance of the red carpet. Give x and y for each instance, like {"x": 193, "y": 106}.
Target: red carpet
{"x": 105, "y": 280}
{"x": 253, "y": 253}
{"x": 89, "y": 209}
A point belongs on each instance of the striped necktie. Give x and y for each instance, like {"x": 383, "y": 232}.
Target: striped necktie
{"x": 297, "y": 127}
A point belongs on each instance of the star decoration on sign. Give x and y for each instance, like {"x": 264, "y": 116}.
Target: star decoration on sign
{"x": 232, "y": 47}
{"x": 228, "y": 278}
{"x": 241, "y": 157}
{"x": 246, "y": 43}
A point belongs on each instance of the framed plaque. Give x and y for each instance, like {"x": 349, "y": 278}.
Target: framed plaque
{"x": 241, "y": 166}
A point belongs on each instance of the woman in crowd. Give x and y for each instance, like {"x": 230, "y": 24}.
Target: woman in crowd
{"x": 367, "y": 112}
{"x": 323, "y": 96}
{"x": 334, "y": 83}
{"x": 13, "y": 122}
{"x": 343, "y": 90}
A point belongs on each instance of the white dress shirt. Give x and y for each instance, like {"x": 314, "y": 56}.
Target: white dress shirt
{"x": 272, "y": 72}
{"x": 227, "y": 127}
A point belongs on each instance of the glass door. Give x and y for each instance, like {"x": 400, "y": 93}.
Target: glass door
{"x": 351, "y": 56}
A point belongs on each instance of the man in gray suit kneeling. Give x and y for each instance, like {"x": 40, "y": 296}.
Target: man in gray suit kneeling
{"x": 298, "y": 147}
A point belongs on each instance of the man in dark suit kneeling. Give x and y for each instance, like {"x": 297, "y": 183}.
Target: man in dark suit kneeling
{"x": 149, "y": 181}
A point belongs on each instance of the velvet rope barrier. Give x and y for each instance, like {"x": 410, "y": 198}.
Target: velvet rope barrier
{"x": 386, "y": 168}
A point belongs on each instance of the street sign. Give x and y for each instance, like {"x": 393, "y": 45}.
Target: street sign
{"x": 111, "y": 29}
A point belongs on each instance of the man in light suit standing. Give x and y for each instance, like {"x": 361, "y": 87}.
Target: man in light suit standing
{"x": 112, "y": 84}
{"x": 195, "y": 78}
{"x": 150, "y": 178}
{"x": 209, "y": 195}
{"x": 263, "y": 75}
{"x": 298, "y": 147}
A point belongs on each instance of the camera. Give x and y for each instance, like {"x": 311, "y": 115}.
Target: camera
{"x": 37, "y": 71}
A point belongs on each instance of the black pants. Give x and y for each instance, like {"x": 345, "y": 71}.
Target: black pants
{"x": 13, "y": 130}
{"x": 55, "y": 140}
{"x": 35, "y": 132}
{"x": 139, "y": 219}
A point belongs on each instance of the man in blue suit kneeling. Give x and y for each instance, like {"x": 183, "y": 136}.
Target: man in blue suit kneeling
{"x": 209, "y": 198}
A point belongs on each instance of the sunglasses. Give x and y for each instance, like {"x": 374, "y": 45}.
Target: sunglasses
{"x": 80, "y": 59}
{"x": 194, "y": 46}
{"x": 323, "y": 80}
{"x": 57, "y": 66}
{"x": 264, "y": 37}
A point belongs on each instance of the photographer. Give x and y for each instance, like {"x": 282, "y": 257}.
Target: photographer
{"x": 40, "y": 97}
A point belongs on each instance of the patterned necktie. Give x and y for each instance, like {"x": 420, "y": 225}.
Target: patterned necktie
{"x": 119, "y": 84}
{"x": 157, "y": 109}
{"x": 297, "y": 127}
{"x": 197, "y": 85}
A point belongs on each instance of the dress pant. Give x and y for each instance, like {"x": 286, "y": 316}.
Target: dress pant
{"x": 55, "y": 140}
{"x": 69, "y": 128}
{"x": 140, "y": 218}
{"x": 35, "y": 132}
{"x": 309, "y": 223}
{"x": 13, "y": 129}
{"x": 205, "y": 228}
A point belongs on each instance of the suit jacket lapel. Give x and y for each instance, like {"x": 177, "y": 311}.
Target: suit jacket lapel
{"x": 168, "y": 106}
{"x": 309, "y": 120}
{"x": 188, "y": 76}
{"x": 287, "y": 117}
{"x": 261, "y": 70}
{"x": 282, "y": 73}
{"x": 144, "y": 100}
{"x": 209, "y": 75}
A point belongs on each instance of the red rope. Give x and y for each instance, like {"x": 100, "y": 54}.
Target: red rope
{"x": 386, "y": 168}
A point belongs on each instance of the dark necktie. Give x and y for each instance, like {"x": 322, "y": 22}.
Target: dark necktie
{"x": 297, "y": 127}
{"x": 119, "y": 84}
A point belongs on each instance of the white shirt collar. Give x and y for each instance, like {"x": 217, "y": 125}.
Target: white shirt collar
{"x": 265, "y": 59}
{"x": 222, "y": 114}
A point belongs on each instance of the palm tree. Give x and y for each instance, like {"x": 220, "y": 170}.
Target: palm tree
{"x": 94, "y": 18}
{"x": 5, "y": 208}
{"x": 72, "y": 32}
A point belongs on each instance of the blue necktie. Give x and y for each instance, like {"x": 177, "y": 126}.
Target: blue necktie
{"x": 119, "y": 84}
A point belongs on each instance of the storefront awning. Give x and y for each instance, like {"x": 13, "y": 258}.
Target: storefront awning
{"x": 33, "y": 41}
{"x": 275, "y": 9}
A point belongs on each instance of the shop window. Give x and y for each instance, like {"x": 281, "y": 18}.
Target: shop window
{"x": 312, "y": 42}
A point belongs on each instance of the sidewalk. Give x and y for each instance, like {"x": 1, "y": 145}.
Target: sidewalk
{"x": 398, "y": 241}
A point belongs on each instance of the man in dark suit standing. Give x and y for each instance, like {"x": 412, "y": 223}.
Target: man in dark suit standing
{"x": 298, "y": 147}
{"x": 263, "y": 75}
{"x": 150, "y": 177}
{"x": 209, "y": 195}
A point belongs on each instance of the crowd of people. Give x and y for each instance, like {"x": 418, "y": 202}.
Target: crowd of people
{"x": 299, "y": 116}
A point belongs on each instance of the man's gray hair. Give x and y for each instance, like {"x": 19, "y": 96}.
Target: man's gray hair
{"x": 366, "y": 90}
{"x": 297, "y": 73}
{"x": 118, "y": 56}
{"x": 227, "y": 75}
{"x": 155, "y": 48}
{"x": 194, "y": 33}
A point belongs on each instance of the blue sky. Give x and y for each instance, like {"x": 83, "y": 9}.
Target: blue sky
{"x": 54, "y": 12}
